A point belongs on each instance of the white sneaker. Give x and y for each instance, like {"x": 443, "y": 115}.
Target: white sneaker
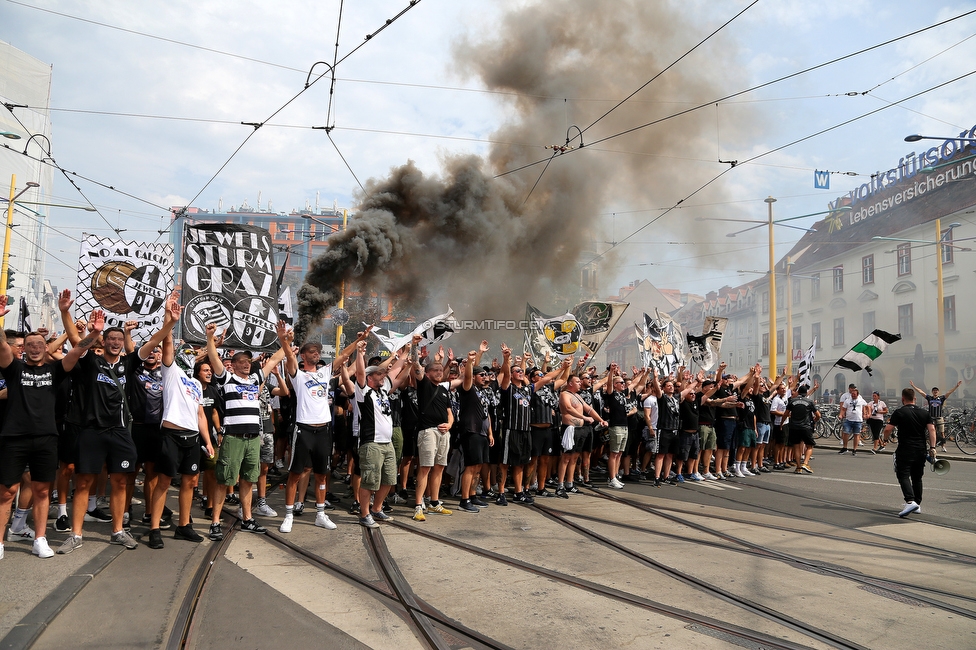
{"x": 697, "y": 477}
{"x": 41, "y": 549}
{"x": 322, "y": 521}
{"x": 25, "y": 535}
{"x": 264, "y": 510}
{"x": 615, "y": 484}
{"x": 286, "y": 523}
{"x": 738, "y": 472}
{"x": 909, "y": 508}
{"x": 1, "y": 551}
{"x": 708, "y": 476}
{"x": 125, "y": 519}
{"x": 280, "y": 463}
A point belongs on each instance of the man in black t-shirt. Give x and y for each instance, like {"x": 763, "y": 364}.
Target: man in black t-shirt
{"x": 476, "y": 437}
{"x": 434, "y": 421}
{"x": 915, "y": 429}
{"x": 802, "y": 414}
{"x": 30, "y": 435}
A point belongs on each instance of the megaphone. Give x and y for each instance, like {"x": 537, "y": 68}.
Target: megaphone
{"x": 940, "y": 466}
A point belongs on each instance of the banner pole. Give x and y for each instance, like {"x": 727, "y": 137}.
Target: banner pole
{"x": 342, "y": 296}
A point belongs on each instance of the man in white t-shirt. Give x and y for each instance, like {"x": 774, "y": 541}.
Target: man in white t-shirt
{"x": 651, "y": 439}
{"x": 311, "y": 441}
{"x": 184, "y": 428}
{"x": 777, "y": 409}
{"x": 853, "y": 412}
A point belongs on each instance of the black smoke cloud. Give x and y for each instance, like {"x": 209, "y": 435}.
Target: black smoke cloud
{"x": 487, "y": 244}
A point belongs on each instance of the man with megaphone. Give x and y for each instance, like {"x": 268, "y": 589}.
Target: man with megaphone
{"x": 916, "y": 432}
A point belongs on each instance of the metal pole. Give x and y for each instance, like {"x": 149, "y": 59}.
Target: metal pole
{"x": 940, "y": 310}
{"x": 342, "y": 295}
{"x": 5, "y": 266}
{"x": 772, "y": 292}
{"x": 789, "y": 320}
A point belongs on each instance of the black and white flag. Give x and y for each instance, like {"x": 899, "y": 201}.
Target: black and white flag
{"x": 704, "y": 351}
{"x": 127, "y": 280}
{"x": 804, "y": 368}
{"x": 433, "y": 330}
{"x": 229, "y": 279}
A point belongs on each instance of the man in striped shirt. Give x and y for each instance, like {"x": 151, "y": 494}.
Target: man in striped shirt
{"x": 935, "y": 402}
{"x": 239, "y": 457}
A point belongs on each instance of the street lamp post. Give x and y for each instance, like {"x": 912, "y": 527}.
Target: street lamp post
{"x": 770, "y": 222}
{"x": 772, "y": 291}
{"x": 342, "y": 288}
{"x": 5, "y": 265}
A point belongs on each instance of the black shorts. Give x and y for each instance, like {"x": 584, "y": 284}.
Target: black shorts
{"x": 311, "y": 447}
{"x": 342, "y": 435}
{"x": 688, "y": 446}
{"x": 68, "y": 443}
{"x": 517, "y": 447}
{"x": 496, "y": 452}
{"x": 778, "y": 436}
{"x": 582, "y": 439}
{"x": 474, "y": 448}
{"x": 635, "y": 436}
{"x": 147, "y": 439}
{"x": 112, "y": 447}
{"x": 801, "y": 434}
{"x": 39, "y": 453}
{"x": 541, "y": 442}
{"x": 590, "y": 440}
{"x": 409, "y": 443}
{"x": 179, "y": 453}
{"x": 670, "y": 444}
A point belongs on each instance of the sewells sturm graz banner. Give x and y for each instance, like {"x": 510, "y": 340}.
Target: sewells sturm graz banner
{"x": 229, "y": 280}
{"x": 127, "y": 280}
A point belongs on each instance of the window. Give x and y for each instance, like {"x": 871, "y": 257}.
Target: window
{"x": 947, "y": 250}
{"x": 949, "y": 312}
{"x": 796, "y": 292}
{"x": 867, "y": 269}
{"x": 814, "y": 286}
{"x": 797, "y": 343}
{"x": 780, "y": 342}
{"x": 815, "y": 333}
{"x": 868, "y": 322}
{"x": 765, "y": 302}
{"x": 904, "y": 259}
{"x": 779, "y": 295}
{"x": 838, "y": 331}
{"x": 765, "y": 345}
{"x": 906, "y": 325}
{"x": 838, "y": 272}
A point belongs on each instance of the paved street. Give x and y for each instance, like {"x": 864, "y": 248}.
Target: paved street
{"x": 780, "y": 560}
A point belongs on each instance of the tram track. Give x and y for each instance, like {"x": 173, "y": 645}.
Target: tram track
{"x": 684, "y": 615}
{"x": 752, "y": 550}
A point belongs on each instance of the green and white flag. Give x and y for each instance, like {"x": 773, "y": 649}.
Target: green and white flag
{"x": 864, "y": 353}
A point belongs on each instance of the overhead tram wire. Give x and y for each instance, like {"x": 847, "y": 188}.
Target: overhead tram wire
{"x": 780, "y": 148}
{"x": 329, "y": 135}
{"x": 668, "y": 67}
{"x": 335, "y": 61}
{"x": 750, "y": 89}
{"x": 308, "y": 84}
{"x": 44, "y": 161}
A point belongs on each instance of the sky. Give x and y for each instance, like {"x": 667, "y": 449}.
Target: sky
{"x": 149, "y": 97}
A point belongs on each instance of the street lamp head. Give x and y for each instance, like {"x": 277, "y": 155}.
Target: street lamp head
{"x": 9, "y": 135}
{"x": 769, "y": 199}
{"x": 33, "y": 184}
{"x": 955, "y": 225}
{"x": 913, "y": 138}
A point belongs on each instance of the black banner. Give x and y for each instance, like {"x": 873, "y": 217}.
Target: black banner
{"x": 229, "y": 279}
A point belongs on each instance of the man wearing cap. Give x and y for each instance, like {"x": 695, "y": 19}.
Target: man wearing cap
{"x": 476, "y": 437}
{"x": 239, "y": 456}
{"x": 311, "y": 443}
{"x": 915, "y": 429}
{"x": 377, "y": 458}
{"x": 935, "y": 402}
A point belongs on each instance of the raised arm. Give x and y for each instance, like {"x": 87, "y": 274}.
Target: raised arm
{"x": 71, "y": 359}
{"x": 954, "y": 389}
{"x": 127, "y": 342}
{"x": 168, "y": 322}
{"x": 6, "y": 354}
{"x": 64, "y": 305}
{"x": 505, "y": 374}
{"x": 215, "y": 362}
{"x": 361, "y": 363}
{"x": 291, "y": 361}
{"x": 172, "y": 314}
